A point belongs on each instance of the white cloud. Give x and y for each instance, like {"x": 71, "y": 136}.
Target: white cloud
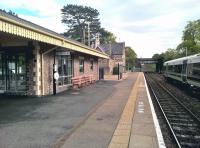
{"x": 42, "y": 7}
{"x": 52, "y": 23}
{"x": 149, "y": 26}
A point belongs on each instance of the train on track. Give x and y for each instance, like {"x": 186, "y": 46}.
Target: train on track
{"x": 184, "y": 71}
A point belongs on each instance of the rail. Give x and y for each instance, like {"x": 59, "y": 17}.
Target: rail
{"x": 183, "y": 124}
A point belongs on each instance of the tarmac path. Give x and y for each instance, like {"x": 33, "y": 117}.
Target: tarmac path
{"x": 50, "y": 121}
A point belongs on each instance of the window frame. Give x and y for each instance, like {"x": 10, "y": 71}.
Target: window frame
{"x": 92, "y": 64}
{"x": 81, "y": 65}
{"x": 64, "y": 74}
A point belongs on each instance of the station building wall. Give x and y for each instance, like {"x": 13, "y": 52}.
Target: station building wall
{"x": 75, "y": 59}
{"x": 38, "y": 77}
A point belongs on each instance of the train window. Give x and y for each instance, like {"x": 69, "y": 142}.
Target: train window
{"x": 178, "y": 68}
{"x": 170, "y": 68}
{"x": 196, "y": 65}
{"x": 196, "y": 70}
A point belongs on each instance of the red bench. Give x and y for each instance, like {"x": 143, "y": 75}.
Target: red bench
{"x": 87, "y": 80}
{"x": 76, "y": 81}
{"x": 92, "y": 79}
{"x": 82, "y": 80}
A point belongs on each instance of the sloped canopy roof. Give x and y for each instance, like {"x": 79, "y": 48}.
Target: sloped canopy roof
{"x": 14, "y": 25}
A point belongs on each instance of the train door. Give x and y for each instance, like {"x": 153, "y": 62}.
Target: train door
{"x": 184, "y": 71}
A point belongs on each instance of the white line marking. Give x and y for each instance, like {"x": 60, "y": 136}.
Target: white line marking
{"x": 161, "y": 142}
{"x": 140, "y": 107}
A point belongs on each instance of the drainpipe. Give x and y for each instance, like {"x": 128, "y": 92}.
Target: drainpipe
{"x": 54, "y": 71}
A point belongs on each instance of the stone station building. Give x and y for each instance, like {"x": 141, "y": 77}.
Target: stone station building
{"x": 31, "y": 54}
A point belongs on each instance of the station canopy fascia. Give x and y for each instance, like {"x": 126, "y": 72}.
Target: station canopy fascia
{"x": 14, "y": 25}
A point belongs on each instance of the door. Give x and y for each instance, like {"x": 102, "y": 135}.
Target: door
{"x": 15, "y": 72}
{"x": 101, "y": 73}
{"x": 2, "y": 73}
{"x": 11, "y": 73}
{"x": 184, "y": 71}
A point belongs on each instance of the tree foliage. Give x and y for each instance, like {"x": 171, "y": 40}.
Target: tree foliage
{"x": 130, "y": 58}
{"x": 191, "y": 39}
{"x": 10, "y": 12}
{"x": 76, "y": 18}
{"x": 106, "y": 36}
{"x": 160, "y": 61}
{"x": 190, "y": 44}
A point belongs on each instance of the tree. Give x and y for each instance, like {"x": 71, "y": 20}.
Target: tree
{"x": 191, "y": 39}
{"x": 171, "y": 54}
{"x": 130, "y": 58}
{"x": 160, "y": 61}
{"x": 106, "y": 36}
{"x": 77, "y": 19}
{"x": 10, "y": 12}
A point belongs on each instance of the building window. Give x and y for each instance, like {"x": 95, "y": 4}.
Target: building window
{"x": 81, "y": 65}
{"x": 64, "y": 69}
{"x": 91, "y": 64}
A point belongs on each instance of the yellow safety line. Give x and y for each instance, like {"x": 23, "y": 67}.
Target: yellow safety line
{"x": 122, "y": 133}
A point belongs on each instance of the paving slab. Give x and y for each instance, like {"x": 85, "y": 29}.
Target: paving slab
{"x": 143, "y": 132}
{"x": 40, "y": 122}
{"x": 137, "y": 127}
{"x": 98, "y": 129}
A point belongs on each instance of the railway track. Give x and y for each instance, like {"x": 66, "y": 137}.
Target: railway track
{"x": 183, "y": 124}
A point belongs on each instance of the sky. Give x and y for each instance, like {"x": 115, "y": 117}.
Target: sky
{"x": 148, "y": 26}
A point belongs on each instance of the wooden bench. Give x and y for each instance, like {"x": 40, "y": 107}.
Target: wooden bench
{"x": 76, "y": 82}
{"x": 82, "y": 80}
{"x": 87, "y": 79}
{"x": 91, "y": 79}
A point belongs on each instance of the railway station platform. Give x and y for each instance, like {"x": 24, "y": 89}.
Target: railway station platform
{"x": 125, "y": 120}
{"x": 138, "y": 126}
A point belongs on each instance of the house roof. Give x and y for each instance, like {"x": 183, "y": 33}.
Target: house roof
{"x": 113, "y": 48}
{"x": 17, "y": 26}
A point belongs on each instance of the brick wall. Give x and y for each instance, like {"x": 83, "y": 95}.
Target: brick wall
{"x": 29, "y": 73}
{"x": 108, "y": 65}
{"x": 87, "y": 70}
{"x": 48, "y": 70}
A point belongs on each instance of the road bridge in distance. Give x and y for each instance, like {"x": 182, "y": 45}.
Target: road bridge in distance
{"x": 146, "y": 64}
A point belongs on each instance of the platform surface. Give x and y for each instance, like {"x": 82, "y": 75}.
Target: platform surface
{"x": 138, "y": 126}
{"x": 143, "y": 133}
{"x": 106, "y": 114}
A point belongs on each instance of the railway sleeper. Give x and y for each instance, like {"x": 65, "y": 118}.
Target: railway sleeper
{"x": 169, "y": 111}
{"x": 181, "y": 120}
{"x": 185, "y": 124}
{"x": 186, "y": 130}
{"x": 186, "y": 137}
{"x": 192, "y": 145}
{"x": 177, "y": 115}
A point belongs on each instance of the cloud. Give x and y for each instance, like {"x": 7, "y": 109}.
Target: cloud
{"x": 149, "y": 26}
{"x": 42, "y": 7}
{"x": 52, "y": 23}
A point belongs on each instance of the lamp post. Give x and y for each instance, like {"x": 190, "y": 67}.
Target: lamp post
{"x": 186, "y": 52}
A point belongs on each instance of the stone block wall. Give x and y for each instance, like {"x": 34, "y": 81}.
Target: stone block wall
{"x": 48, "y": 60}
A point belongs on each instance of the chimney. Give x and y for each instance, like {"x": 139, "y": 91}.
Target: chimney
{"x": 97, "y": 40}
{"x": 110, "y": 49}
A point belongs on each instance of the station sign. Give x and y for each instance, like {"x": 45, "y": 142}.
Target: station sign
{"x": 63, "y": 53}
{"x": 56, "y": 76}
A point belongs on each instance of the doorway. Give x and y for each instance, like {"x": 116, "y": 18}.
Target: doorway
{"x": 12, "y": 72}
